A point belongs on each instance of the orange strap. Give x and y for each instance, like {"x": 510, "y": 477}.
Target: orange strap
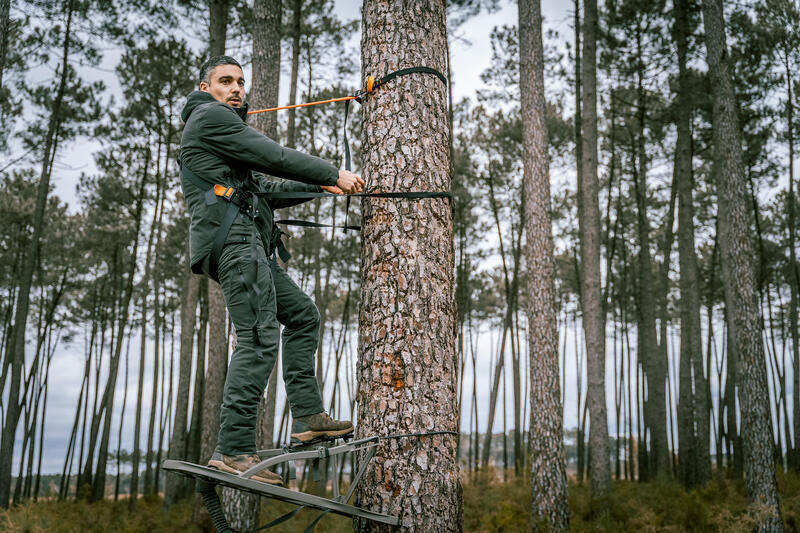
{"x": 371, "y": 86}
{"x": 342, "y": 99}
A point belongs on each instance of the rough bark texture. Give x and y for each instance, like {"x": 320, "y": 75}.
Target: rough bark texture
{"x": 407, "y": 358}
{"x": 550, "y": 507}
{"x": 266, "y": 65}
{"x": 694, "y": 460}
{"x": 264, "y": 94}
{"x": 175, "y": 486}
{"x": 589, "y": 222}
{"x": 297, "y": 13}
{"x": 739, "y": 279}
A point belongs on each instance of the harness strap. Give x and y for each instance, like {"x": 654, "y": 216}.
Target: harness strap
{"x": 309, "y": 195}
{"x": 219, "y": 240}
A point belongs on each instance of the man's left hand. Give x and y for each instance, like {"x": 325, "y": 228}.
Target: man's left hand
{"x": 332, "y": 189}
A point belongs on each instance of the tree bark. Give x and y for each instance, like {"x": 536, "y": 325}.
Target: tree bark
{"x": 266, "y": 65}
{"x": 694, "y": 464}
{"x": 217, "y": 26}
{"x": 297, "y": 19}
{"x": 589, "y": 222}
{"x": 739, "y": 278}
{"x": 550, "y": 506}
{"x": 407, "y": 368}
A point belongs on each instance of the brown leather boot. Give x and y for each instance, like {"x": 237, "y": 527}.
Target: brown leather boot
{"x": 236, "y": 464}
{"x": 308, "y": 428}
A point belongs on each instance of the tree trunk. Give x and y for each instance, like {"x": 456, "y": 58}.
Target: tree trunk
{"x": 196, "y": 425}
{"x": 693, "y": 414}
{"x": 793, "y": 274}
{"x": 654, "y": 359}
{"x": 739, "y": 278}
{"x": 15, "y": 349}
{"x": 217, "y": 26}
{"x": 550, "y": 507}
{"x": 107, "y": 404}
{"x": 176, "y": 487}
{"x": 5, "y": 9}
{"x": 589, "y": 222}
{"x": 407, "y": 369}
{"x": 297, "y": 19}
{"x": 136, "y": 456}
{"x": 266, "y": 65}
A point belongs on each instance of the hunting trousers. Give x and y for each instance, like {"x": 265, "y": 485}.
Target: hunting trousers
{"x": 259, "y": 295}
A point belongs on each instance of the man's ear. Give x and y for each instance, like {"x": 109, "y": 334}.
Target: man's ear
{"x": 204, "y": 86}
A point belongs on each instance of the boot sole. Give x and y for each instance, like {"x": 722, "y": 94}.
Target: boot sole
{"x": 308, "y": 436}
{"x": 222, "y": 467}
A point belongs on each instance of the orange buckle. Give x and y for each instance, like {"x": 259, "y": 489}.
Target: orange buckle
{"x": 370, "y": 84}
{"x": 225, "y": 192}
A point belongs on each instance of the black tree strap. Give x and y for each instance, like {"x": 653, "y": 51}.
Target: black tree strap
{"x": 373, "y": 84}
{"x": 410, "y": 195}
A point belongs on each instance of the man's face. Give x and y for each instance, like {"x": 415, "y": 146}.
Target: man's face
{"x": 226, "y": 85}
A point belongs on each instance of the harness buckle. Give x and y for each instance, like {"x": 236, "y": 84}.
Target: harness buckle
{"x": 224, "y": 192}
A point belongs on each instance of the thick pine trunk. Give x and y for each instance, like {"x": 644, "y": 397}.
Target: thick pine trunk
{"x": 694, "y": 464}
{"x": 550, "y": 507}
{"x": 739, "y": 279}
{"x": 407, "y": 368}
{"x": 589, "y": 222}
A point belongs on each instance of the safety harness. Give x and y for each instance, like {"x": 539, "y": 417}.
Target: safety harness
{"x": 242, "y": 200}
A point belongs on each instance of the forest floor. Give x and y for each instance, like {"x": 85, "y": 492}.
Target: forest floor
{"x": 489, "y": 506}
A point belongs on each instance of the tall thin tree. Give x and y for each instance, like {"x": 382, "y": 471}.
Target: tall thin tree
{"x": 737, "y": 251}
{"x": 589, "y": 228}
{"x": 548, "y": 463}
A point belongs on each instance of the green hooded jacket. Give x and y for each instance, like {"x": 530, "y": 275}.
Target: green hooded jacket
{"x": 220, "y": 148}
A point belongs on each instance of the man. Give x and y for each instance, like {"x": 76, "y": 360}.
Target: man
{"x": 233, "y": 240}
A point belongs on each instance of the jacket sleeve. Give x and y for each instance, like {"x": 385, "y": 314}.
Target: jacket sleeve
{"x": 229, "y": 138}
{"x": 268, "y": 185}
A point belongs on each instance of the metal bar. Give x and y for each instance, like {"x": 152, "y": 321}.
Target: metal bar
{"x": 334, "y": 465}
{"x": 359, "y": 473}
{"x": 278, "y": 493}
{"x": 308, "y": 454}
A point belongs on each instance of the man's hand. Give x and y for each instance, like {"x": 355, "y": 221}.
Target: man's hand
{"x": 332, "y": 189}
{"x": 349, "y": 182}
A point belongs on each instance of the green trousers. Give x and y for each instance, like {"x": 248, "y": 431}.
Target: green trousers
{"x": 259, "y": 295}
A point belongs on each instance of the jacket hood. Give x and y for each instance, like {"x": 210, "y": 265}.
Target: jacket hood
{"x": 198, "y": 98}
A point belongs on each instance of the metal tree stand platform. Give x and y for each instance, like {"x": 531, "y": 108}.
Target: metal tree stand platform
{"x": 208, "y": 478}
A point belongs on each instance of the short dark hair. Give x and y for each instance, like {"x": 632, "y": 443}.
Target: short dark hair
{"x": 214, "y": 62}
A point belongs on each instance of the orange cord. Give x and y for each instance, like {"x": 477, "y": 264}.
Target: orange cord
{"x": 342, "y": 99}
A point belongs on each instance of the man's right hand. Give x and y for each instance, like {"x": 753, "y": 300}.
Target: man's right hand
{"x": 349, "y": 182}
